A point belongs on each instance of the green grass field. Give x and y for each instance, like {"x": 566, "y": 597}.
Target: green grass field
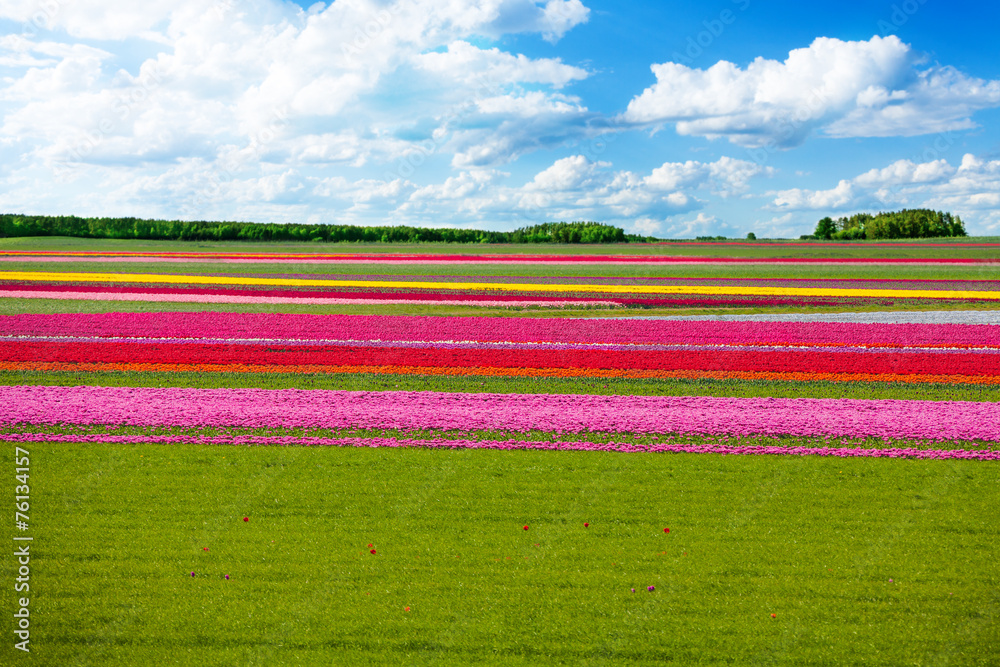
{"x": 861, "y": 562}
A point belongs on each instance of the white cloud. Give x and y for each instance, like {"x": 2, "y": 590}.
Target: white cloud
{"x": 470, "y": 65}
{"x": 385, "y": 111}
{"x": 971, "y": 189}
{"x": 844, "y": 89}
{"x": 104, "y": 19}
{"x": 241, "y": 70}
{"x": 841, "y": 197}
{"x": 904, "y": 172}
{"x": 575, "y": 187}
{"x": 560, "y": 16}
{"x": 701, "y": 225}
{"x": 572, "y": 188}
{"x": 568, "y": 173}
{"x": 727, "y": 175}
{"x": 504, "y": 127}
{"x": 646, "y": 227}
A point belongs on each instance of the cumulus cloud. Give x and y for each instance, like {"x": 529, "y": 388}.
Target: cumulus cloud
{"x": 470, "y": 65}
{"x": 576, "y": 186}
{"x": 264, "y": 71}
{"x": 841, "y": 197}
{"x": 728, "y": 176}
{"x": 839, "y": 88}
{"x": 969, "y": 189}
{"x": 386, "y": 111}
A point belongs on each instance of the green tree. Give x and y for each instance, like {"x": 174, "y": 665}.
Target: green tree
{"x": 825, "y": 228}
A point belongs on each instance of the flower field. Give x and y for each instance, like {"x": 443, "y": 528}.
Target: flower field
{"x": 364, "y": 450}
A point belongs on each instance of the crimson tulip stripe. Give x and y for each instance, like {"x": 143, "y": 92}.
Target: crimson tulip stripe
{"x": 936, "y": 363}
{"x": 407, "y": 411}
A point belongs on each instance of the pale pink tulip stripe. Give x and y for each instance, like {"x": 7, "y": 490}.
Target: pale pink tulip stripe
{"x": 296, "y": 408}
{"x": 628, "y": 332}
{"x": 440, "y": 443}
{"x": 307, "y": 301}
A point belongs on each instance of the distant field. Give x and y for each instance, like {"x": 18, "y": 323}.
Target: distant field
{"x": 771, "y": 271}
{"x": 953, "y": 248}
{"x": 347, "y": 481}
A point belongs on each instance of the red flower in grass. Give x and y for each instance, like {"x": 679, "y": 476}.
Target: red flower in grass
{"x": 666, "y": 530}
{"x": 373, "y": 552}
{"x": 586, "y": 525}
{"x": 246, "y": 518}
{"x": 526, "y": 528}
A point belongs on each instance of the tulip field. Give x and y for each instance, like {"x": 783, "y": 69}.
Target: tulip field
{"x": 747, "y": 453}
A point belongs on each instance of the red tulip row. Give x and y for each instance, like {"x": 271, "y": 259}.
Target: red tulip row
{"x": 944, "y": 363}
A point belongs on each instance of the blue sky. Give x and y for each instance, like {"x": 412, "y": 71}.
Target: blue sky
{"x": 676, "y": 119}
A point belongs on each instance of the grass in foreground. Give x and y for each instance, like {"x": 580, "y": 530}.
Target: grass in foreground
{"x": 867, "y": 561}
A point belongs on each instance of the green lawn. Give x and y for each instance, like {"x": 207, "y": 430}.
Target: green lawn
{"x": 118, "y": 529}
{"x": 814, "y": 541}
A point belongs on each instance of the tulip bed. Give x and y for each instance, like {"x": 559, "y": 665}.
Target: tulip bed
{"x": 512, "y": 485}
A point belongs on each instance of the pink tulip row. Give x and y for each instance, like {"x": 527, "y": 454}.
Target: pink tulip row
{"x": 440, "y": 443}
{"x": 295, "y": 408}
{"x": 259, "y": 326}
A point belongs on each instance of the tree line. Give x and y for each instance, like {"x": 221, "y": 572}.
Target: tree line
{"x": 181, "y": 230}
{"x": 916, "y": 223}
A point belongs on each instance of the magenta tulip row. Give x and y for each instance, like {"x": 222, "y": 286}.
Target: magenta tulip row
{"x": 439, "y": 443}
{"x": 406, "y": 411}
{"x": 268, "y": 326}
